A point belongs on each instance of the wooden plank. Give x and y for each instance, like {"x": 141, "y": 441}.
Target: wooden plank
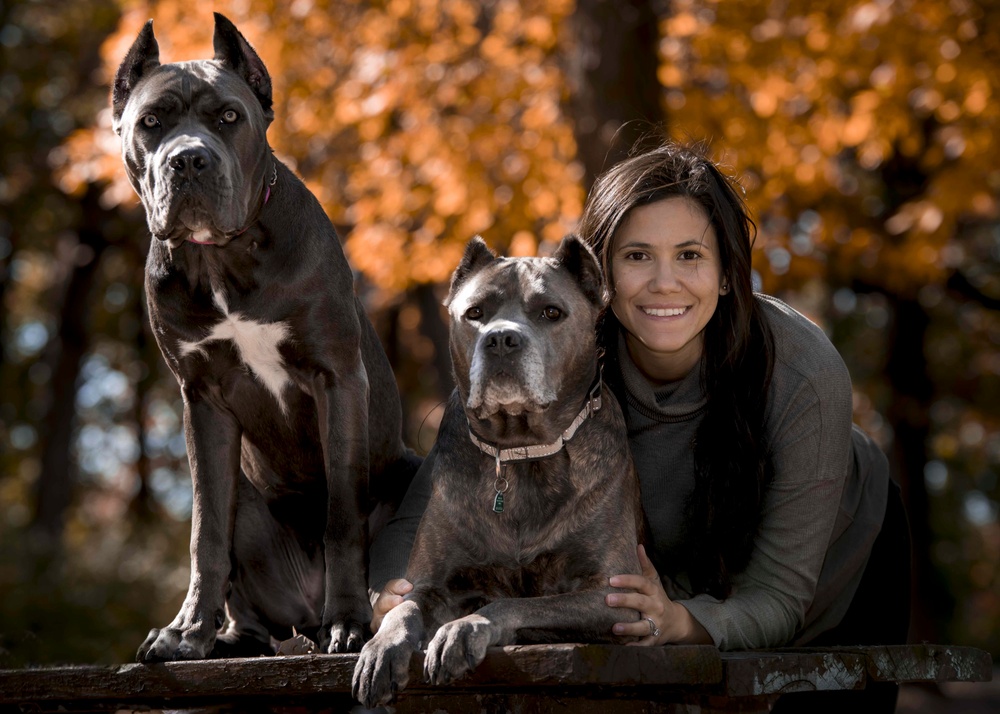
{"x": 577, "y": 665}
{"x": 660, "y": 679}
{"x": 508, "y": 667}
{"x": 764, "y": 673}
{"x": 812, "y": 669}
{"x": 922, "y": 663}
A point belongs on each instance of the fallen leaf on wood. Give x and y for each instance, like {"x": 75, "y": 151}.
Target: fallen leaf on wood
{"x": 297, "y": 645}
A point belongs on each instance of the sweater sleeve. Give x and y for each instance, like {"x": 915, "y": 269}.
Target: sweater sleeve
{"x": 809, "y": 425}
{"x": 390, "y": 551}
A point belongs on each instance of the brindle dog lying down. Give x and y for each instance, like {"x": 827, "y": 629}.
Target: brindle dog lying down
{"x": 535, "y": 502}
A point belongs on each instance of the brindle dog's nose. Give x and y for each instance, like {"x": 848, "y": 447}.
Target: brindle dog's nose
{"x": 190, "y": 162}
{"x": 503, "y": 342}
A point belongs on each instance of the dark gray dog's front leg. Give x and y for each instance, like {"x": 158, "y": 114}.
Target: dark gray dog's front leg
{"x": 343, "y": 426}
{"x": 213, "y": 445}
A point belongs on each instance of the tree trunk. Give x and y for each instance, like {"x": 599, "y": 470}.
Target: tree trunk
{"x": 909, "y": 414}
{"x": 56, "y": 480}
{"x": 432, "y": 325}
{"x": 612, "y": 72}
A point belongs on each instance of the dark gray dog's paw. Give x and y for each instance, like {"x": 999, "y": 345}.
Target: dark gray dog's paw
{"x": 382, "y": 670}
{"x": 457, "y": 649}
{"x": 172, "y": 643}
{"x": 346, "y": 635}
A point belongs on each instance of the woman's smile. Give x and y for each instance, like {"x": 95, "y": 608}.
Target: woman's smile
{"x": 664, "y": 311}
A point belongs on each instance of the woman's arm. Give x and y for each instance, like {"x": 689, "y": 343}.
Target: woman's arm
{"x": 390, "y": 551}
{"x": 810, "y": 438}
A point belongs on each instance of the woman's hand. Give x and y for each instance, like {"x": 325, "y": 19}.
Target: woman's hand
{"x": 661, "y": 620}
{"x": 391, "y": 595}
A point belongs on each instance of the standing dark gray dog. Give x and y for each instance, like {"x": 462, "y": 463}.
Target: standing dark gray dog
{"x": 291, "y": 412}
{"x": 535, "y": 502}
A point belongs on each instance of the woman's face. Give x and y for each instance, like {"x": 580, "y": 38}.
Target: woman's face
{"x": 667, "y": 280}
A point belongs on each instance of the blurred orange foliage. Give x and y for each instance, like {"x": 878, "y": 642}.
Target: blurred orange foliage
{"x": 812, "y": 101}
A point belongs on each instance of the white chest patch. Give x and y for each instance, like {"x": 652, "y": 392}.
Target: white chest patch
{"x": 257, "y": 344}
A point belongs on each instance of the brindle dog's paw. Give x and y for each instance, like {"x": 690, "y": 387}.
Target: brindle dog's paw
{"x": 170, "y": 643}
{"x": 381, "y": 672}
{"x": 457, "y": 649}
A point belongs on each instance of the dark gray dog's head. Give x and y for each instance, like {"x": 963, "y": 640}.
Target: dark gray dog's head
{"x": 193, "y": 136}
{"x": 522, "y": 330}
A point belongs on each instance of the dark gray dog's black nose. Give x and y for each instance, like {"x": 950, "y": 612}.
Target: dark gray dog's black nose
{"x": 190, "y": 162}
{"x": 503, "y": 342}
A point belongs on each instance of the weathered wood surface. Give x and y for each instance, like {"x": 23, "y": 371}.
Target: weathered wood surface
{"x": 534, "y": 678}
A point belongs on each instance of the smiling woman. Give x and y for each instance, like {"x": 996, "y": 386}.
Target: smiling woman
{"x": 772, "y": 520}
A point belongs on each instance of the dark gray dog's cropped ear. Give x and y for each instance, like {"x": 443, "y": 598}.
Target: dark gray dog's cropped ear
{"x": 477, "y": 255}
{"x": 142, "y": 57}
{"x": 577, "y": 257}
{"x": 232, "y": 49}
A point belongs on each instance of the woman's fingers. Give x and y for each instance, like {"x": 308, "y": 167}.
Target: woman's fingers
{"x": 640, "y": 629}
{"x": 647, "y": 597}
{"x": 637, "y": 601}
{"x": 632, "y": 582}
{"x": 398, "y": 586}
{"x": 391, "y": 596}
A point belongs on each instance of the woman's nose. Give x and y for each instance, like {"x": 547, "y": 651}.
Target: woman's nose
{"x": 663, "y": 278}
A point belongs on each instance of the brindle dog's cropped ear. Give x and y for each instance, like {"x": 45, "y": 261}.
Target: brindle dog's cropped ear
{"x": 232, "y": 49}
{"x": 577, "y": 257}
{"x": 142, "y": 57}
{"x": 477, "y": 254}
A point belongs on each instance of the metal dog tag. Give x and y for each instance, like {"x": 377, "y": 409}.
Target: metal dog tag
{"x": 500, "y": 485}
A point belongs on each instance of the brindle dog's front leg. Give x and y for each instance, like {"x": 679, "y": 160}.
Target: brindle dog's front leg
{"x": 213, "y": 445}
{"x": 459, "y": 646}
{"x": 342, "y": 405}
{"x": 383, "y": 667}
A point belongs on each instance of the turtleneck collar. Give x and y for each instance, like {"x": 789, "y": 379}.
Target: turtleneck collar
{"x": 675, "y": 401}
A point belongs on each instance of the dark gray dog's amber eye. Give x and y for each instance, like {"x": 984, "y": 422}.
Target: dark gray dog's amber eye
{"x": 551, "y": 313}
{"x": 229, "y": 116}
{"x": 149, "y": 121}
{"x": 474, "y": 313}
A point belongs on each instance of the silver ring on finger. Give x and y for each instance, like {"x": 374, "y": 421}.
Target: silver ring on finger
{"x": 654, "y": 631}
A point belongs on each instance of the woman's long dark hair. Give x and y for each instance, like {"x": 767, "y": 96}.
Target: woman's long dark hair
{"x": 732, "y": 465}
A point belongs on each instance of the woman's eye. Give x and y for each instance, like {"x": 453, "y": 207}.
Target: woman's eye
{"x": 229, "y": 116}
{"x": 690, "y": 255}
{"x": 552, "y": 313}
{"x": 150, "y": 121}
{"x": 635, "y": 256}
{"x": 474, "y": 313}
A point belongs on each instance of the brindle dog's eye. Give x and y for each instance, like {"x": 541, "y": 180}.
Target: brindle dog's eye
{"x": 150, "y": 121}
{"x": 474, "y": 313}
{"x": 229, "y": 116}
{"x": 552, "y": 313}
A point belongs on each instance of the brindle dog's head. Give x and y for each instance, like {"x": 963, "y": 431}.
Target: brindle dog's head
{"x": 522, "y": 338}
{"x": 193, "y": 136}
